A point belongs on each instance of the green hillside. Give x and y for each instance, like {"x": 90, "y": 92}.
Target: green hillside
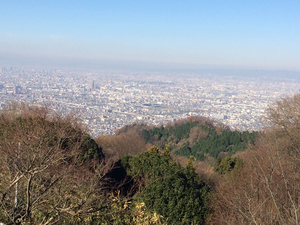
{"x": 199, "y": 137}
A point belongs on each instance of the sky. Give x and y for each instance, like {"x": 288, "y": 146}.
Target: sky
{"x": 231, "y": 34}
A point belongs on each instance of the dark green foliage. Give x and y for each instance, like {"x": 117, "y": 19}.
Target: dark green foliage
{"x": 169, "y": 189}
{"x": 189, "y": 164}
{"x": 214, "y": 143}
{"x": 183, "y": 130}
{"x": 229, "y": 141}
{"x": 91, "y": 149}
{"x": 177, "y": 131}
{"x": 227, "y": 164}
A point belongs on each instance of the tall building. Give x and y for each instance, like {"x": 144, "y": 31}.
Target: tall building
{"x": 93, "y": 85}
{"x": 16, "y": 89}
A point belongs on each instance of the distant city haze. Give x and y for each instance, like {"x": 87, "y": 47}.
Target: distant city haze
{"x": 260, "y": 35}
{"x": 106, "y": 100}
{"x": 119, "y": 62}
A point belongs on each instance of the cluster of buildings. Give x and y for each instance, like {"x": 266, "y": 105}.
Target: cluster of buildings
{"x": 108, "y": 100}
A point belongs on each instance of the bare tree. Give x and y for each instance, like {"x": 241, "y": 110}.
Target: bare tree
{"x": 267, "y": 189}
{"x": 284, "y": 115}
{"x": 50, "y": 170}
{"x": 118, "y": 145}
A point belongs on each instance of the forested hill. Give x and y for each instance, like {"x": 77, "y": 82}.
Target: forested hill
{"x": 52, "y": 171}
{"x": 195, "y": 136}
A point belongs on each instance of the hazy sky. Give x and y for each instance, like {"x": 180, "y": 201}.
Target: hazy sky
{"x": 247, "y": 34}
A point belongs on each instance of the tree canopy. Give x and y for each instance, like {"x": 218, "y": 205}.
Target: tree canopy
{"x": 199, "y": 139}
{"x": 49, "y": 167}
{"x": 169, "y": 189}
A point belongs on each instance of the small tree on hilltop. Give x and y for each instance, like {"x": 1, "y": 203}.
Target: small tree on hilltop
{"x": 167, "y": 152}
{"x": 153, "y": 149}
{"x": 190, "y": 165}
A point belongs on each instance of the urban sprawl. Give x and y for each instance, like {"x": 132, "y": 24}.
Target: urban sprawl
{"x": 106, "y": 100}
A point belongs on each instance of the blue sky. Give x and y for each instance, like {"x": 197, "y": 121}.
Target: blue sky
{"x": 239, "y": 34}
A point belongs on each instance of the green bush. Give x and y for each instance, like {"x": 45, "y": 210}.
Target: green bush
{"x": 169, "y": 189}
